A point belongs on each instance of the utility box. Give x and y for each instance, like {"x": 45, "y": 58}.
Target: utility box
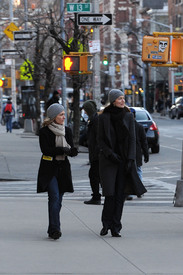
{"x": 155, "y": 49}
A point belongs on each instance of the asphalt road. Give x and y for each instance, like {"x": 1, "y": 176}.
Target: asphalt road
{"x": 166, "y": 165}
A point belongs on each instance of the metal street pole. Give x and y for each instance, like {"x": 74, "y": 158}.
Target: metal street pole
{"x": 63, "y": 75}
{"x": 144, "y": 86}
{"x": 96, "y": 64}
{"x": 13, "y": 78}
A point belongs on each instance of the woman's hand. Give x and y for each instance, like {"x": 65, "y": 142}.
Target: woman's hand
{"x": 74, "y": 152}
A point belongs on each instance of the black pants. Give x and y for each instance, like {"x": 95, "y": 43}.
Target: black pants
{"x": 113, "y": 205}
{"x": 95, "y": 179}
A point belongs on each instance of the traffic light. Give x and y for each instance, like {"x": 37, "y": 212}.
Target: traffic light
{"x": 71, "y": 63}
{"x": 155, "y": 49}
{"x": 1, "y": 83}
{"x": 177, "y": 50}
{"x": 105, "y": 60}
{"x": 80, "y": 63}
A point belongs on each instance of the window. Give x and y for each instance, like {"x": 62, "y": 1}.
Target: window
{"x": 142, "y": 116}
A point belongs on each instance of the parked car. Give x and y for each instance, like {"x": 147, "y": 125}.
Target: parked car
{"x": 177, "y": 109}
{"x": 151, "y": 129}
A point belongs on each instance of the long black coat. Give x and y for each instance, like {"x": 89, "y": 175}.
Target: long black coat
{"x": 92, "y": 139}
{"x": 108, "y": 169}
{"x": 141, "y": 143}
{"x": 50, "y": 168}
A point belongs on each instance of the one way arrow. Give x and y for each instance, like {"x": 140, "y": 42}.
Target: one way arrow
{"x": 94, "y": 19}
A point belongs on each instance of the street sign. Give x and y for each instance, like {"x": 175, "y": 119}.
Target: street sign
{"x": 10, "y": 52}
{"x": 10, "y": 29}
{"x": 178, "y": 74}
{"x": 78, "y": 7}
{"x": 26, "y": 70}
{"x": 22, "y": 35}
{"x": 94, "y": 19}
{"x": 94, "y": 46}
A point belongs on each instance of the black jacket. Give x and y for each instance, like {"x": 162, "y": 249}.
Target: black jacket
{"x": 52, "y": 100}
{"x": 92, "y": 138}
{"x": 108, "y": 169}
{"x": 49, "y": 168}
{"x": 141, "y": 143}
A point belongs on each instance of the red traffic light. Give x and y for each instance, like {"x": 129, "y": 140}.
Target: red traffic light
{"x": 1, "y": 83}
{"x": 71, "y": 63}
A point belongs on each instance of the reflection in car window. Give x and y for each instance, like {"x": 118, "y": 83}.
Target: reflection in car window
{"x": 142, "y": 116}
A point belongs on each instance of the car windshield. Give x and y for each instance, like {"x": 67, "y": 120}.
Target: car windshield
{"x": 142, "y": 116}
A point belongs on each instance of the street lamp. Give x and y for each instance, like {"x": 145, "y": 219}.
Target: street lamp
{"x": 171, "y": 30}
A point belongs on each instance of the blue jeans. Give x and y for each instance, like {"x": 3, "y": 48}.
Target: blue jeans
{"x": 54, "y": 206}
{"x": 8, "y": 123}
{"x": 139, "y": 172}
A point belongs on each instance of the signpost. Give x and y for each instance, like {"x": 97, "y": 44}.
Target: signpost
{"x": 94, "y": 19}
{"x": 78, "y": 7}
{"x": 22, "y": 35}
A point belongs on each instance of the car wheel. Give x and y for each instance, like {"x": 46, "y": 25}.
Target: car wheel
{"x": 155, "y": 149}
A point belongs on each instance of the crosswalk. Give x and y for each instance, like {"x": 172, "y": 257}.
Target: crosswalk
{"x": 158, "y": 192}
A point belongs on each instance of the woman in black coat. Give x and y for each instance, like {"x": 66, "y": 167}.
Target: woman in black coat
{"x": 54, "y": 175}
{"x": 118, "y": 173}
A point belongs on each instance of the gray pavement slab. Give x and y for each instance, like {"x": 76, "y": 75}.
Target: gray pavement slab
{"x": 151, "y": 240}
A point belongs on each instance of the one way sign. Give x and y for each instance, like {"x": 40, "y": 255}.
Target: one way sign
{"x": 94, "y": 19}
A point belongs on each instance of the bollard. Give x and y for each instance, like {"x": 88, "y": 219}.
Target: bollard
{"x": 28, "y": 126}
{"x": 179, "y": 187}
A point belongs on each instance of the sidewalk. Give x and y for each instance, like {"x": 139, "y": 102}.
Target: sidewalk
{"x": 152, "y": 237}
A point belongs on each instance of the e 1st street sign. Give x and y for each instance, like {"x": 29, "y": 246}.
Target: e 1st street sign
{"x": 78, "y": 7}
{"x": 94, "y": 19}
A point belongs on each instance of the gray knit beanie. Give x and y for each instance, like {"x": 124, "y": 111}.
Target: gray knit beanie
{"x": 54, "y": 110}
{"x": 90, "y": 107}
{"x": 114, "y": 94}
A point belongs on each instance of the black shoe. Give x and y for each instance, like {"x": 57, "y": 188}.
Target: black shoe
{"x": 104, "y": 231}
{"x": 55, "y": 235}
{"x": 115, "y": 234}
{"x": 92, "y": 201}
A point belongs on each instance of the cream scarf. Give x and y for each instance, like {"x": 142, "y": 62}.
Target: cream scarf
{"x": 60, "y": 141}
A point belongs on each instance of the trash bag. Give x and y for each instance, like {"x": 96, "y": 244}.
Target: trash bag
{"x": 15, "y": 125}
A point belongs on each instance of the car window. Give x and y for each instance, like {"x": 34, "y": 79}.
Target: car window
{"x": 142, "y": 116}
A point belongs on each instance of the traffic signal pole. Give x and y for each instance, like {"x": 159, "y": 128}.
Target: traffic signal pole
{"x": 13, "y": 78}
{"x": 63, "y": 75}
{"x": 96, "y": 64}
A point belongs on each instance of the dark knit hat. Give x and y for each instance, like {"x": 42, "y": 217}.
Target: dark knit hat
{"x": 90, "y": 107}
{"x": 54, "y": 109}
{"x": 114, "y": 94}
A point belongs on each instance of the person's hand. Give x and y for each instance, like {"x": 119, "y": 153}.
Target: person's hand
{"x": 115, "y": 158}
{"x": 146, "y": 159}
{"x": 74, "y": 152}
{"x": 129, "y": 165}
{"x": 66, "y": 151}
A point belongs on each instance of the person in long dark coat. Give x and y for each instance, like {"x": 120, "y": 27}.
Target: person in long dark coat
{"x": 118, "y": 174}
{"x": 54, "y": 175}
{"x": 90, "y": 108}
{"x": 142, "y": 148}
{"x": 54, "y": 99}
